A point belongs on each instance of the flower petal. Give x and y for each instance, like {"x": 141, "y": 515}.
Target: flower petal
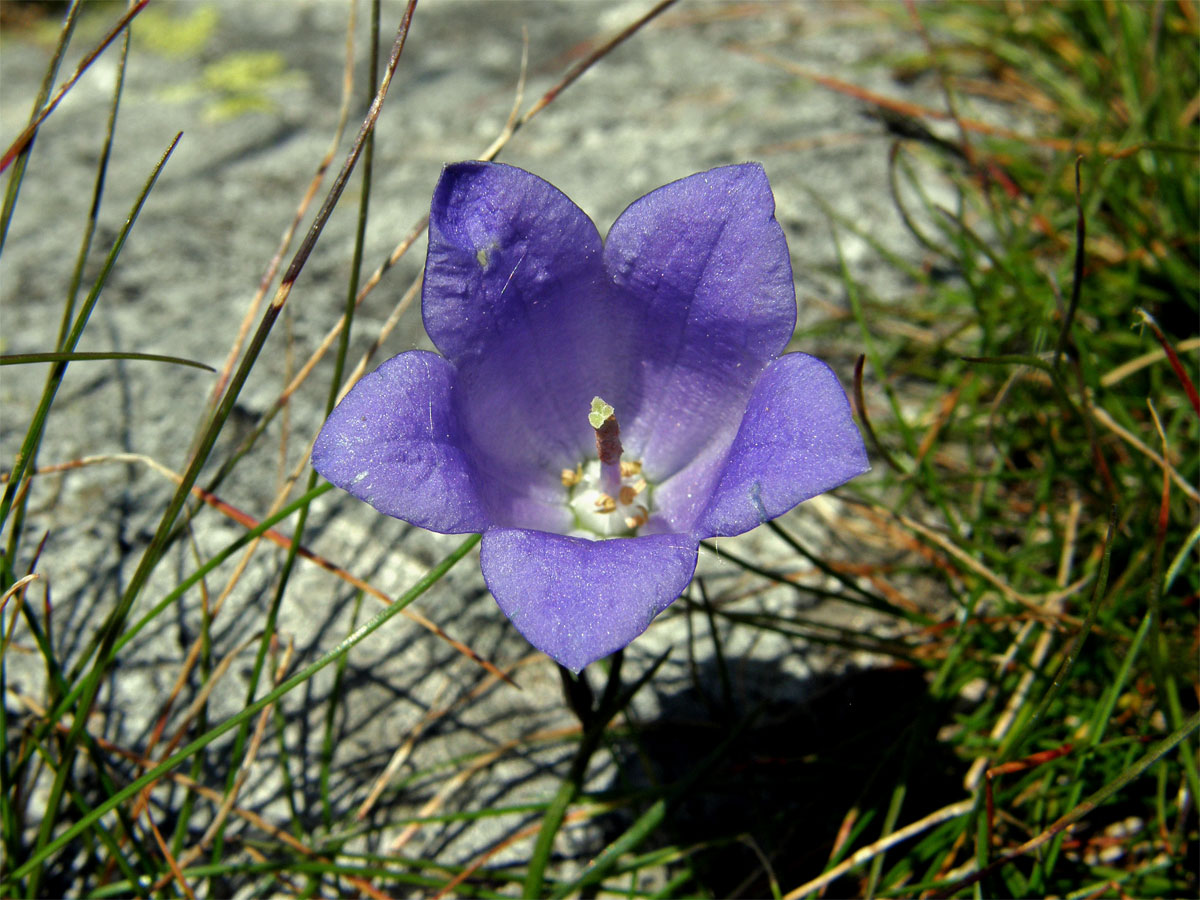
{"x": 578, "y": 600}
{"x": 394, "y": 442}
{"x": 709, "y": 264}
{"x": 514, "y": 297}
{"x": 797, "y": 439}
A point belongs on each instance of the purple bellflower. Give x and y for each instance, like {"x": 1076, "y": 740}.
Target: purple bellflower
{"x": 549, "y": 336}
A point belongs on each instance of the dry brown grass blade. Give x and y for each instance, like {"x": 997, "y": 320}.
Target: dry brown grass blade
{"x": 1123, "y": 371}
{"x": 172, "y": 862}
{"x": 916, "y": 111}
{"x": 1036, "y": 604}
{"x": 945, "y": 410}
{"x": 954, "y": 810}
{"x": 1101, "y": 416}
{"x": 23, "y": 139}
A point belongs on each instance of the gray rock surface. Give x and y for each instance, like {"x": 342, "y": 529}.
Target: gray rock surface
{"x": 677, "y": 98}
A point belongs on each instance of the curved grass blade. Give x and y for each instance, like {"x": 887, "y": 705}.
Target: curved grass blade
{"x": 17, "y": 359}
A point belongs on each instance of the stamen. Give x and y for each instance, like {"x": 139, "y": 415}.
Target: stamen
{"x": 629, "y": 468}
{"x": 638, "y": 520}
{"x": 605, "y": 503}
{"x": 627, "y": 495}
{"x": 572, "y": 477}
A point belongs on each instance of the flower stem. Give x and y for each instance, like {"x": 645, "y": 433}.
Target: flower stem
{"x": 594, "y": 719}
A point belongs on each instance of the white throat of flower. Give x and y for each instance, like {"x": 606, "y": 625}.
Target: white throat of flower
{"x": 607, "y": 495}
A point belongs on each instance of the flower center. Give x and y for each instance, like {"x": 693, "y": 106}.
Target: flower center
{"x": 607, "y": 495}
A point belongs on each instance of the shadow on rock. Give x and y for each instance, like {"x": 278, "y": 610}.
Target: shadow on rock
{"x": 782, "y": 789}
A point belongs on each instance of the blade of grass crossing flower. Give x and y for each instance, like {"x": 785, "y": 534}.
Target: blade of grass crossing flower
{"x": 368, "y": 628}
{"x": 402, "y": 248}
{"x": 18, "y": 172}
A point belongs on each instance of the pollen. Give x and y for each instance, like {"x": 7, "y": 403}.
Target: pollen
{"x": 629, "y": 468}
{"x": 572, "y": 477}
{"x": 605, "y": 503}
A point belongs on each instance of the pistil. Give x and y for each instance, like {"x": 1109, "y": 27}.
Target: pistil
{"x": 608, "y": 447}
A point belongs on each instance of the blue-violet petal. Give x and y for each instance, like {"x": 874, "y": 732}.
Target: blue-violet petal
{"x": 578, "y": 600}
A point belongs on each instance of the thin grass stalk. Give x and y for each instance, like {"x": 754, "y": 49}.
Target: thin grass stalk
{"x": 13, "y": 190}
{"x": 328, "y": 739}
{"x": 335, "y": 382}
{"x": 25, "y": 137}
{"x": 20, "y": 359}
{"x": 1064, "y": 336}
{"x": 201, "y": 723}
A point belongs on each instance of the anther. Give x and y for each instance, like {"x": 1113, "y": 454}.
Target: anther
{"x": 638, "y": 520}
